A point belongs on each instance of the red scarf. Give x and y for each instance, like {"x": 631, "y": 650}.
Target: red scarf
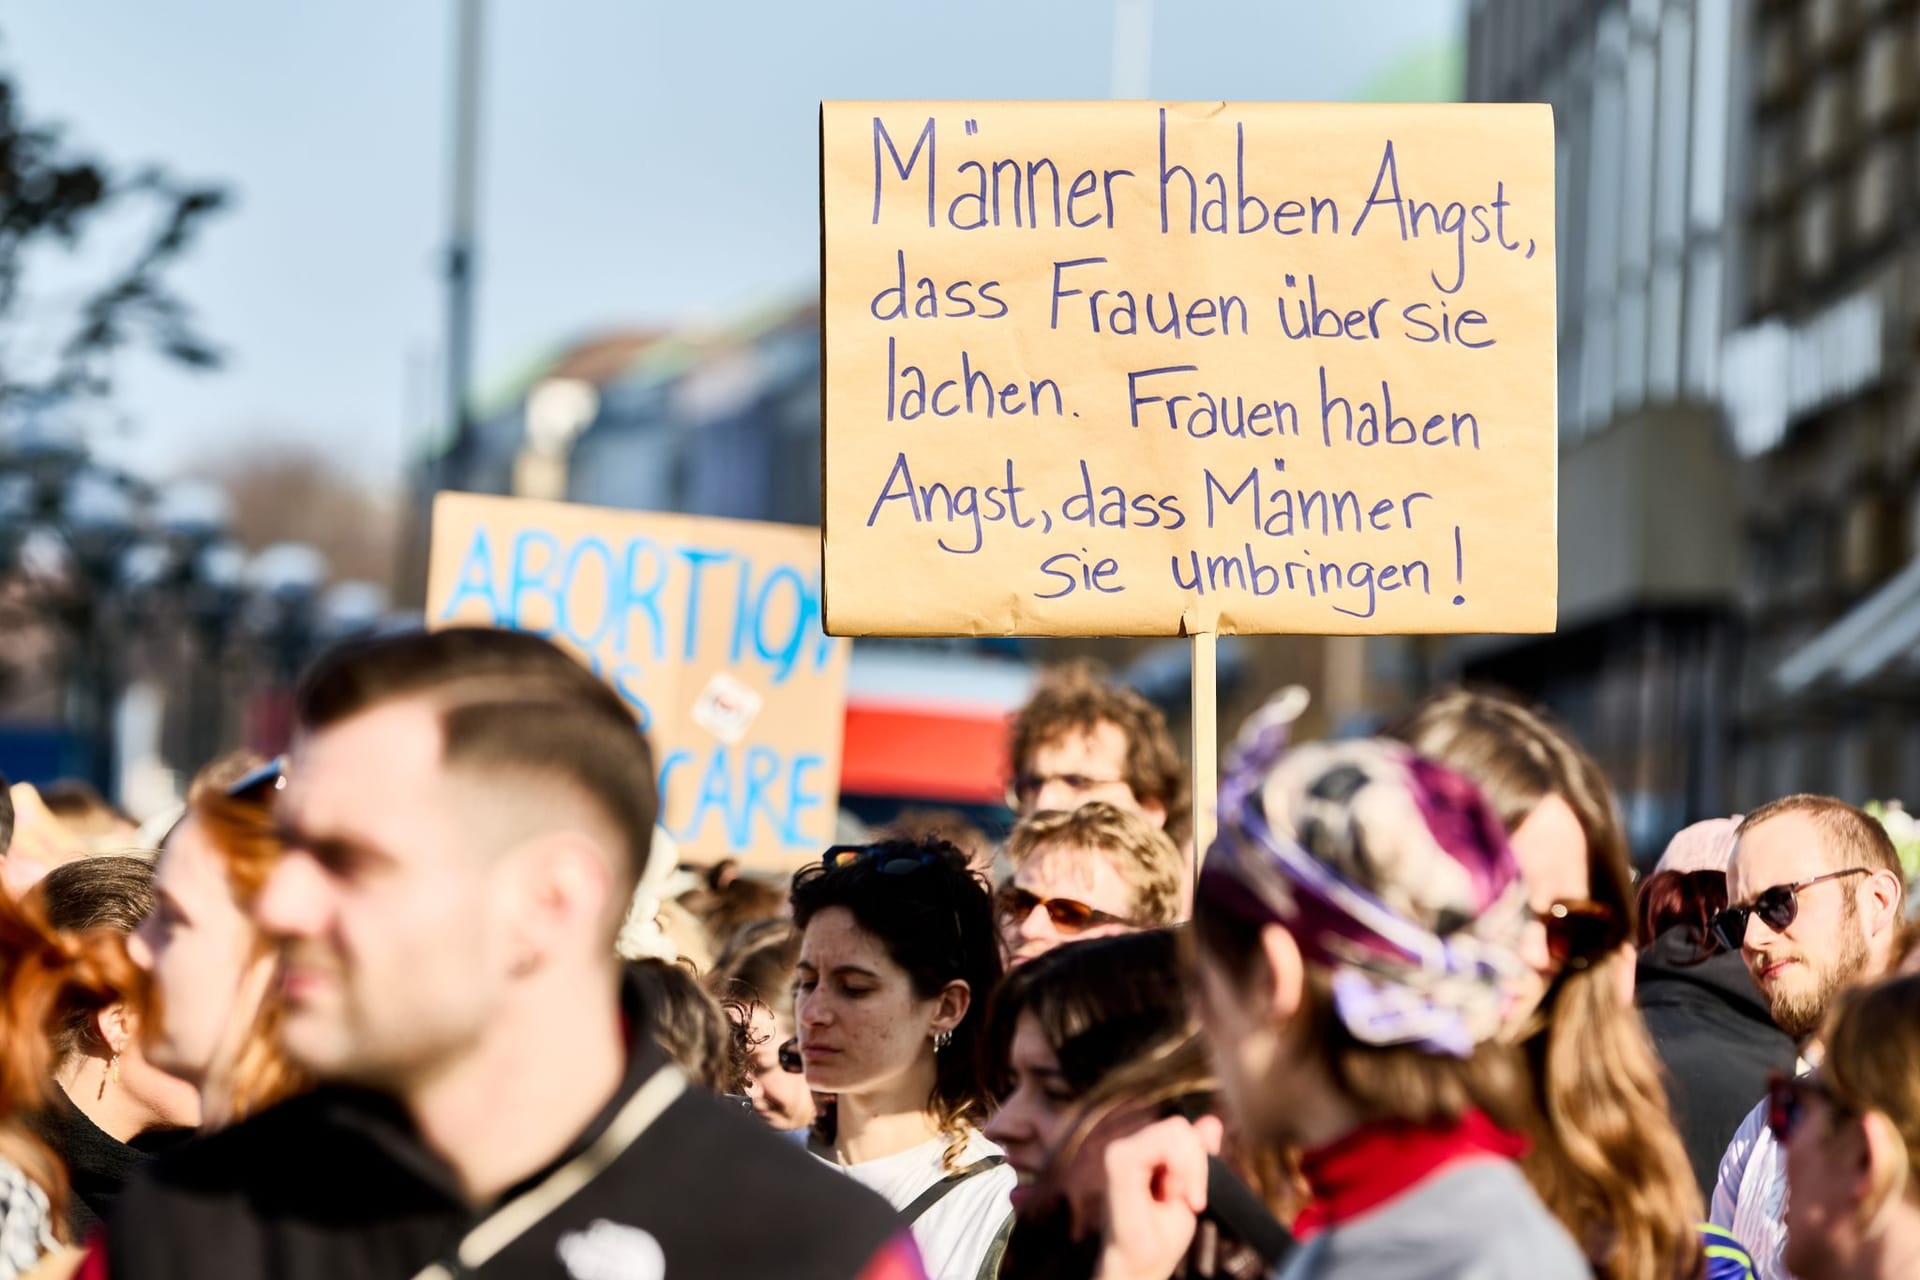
{"x": 1378, "y": 1162}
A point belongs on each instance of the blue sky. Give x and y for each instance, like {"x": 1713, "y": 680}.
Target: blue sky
{"x": 644, "y": 163}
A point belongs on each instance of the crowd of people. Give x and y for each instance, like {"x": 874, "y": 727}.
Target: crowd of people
{"x": 431, "y": 997}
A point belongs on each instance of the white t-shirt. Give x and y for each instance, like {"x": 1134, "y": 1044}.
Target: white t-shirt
{"x": 1750, "y": 1199}
{"x": 953, "y": 1236}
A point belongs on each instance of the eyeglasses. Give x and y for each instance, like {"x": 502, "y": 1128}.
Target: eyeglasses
{"x": 1067, "y": 915}
{"x": 1787, "y": 1102}
{"x": 789, "y": 1056}
{"x": 257, "y": 784}
{"x": 1026, "y": 787}
{"x": 1580, "y": 932}
{"x": 1777, "y": 906}
{"x": 888, "y": 862}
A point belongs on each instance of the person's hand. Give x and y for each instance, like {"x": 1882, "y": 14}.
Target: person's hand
{"x": 40, "y": 843}
{"x": 1156, "y": 1192}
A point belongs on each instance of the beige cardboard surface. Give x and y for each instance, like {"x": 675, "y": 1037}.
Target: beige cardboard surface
{"x": 1116, "y": 367}
{"x": 708, "y": 629}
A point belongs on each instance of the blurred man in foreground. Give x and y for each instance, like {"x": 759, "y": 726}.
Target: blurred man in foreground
{"x": 465, "y": 816}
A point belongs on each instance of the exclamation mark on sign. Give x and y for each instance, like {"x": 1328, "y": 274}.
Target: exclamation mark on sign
{"x": 1459, "y": 564}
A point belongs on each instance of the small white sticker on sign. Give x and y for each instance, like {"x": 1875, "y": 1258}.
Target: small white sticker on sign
{"x": 726, "y": 708}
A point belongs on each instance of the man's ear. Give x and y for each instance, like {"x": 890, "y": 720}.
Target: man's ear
{"x": 563, "y": 885}
{"x": 1881, "y": 901}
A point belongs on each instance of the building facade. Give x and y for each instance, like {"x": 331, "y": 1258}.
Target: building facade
{"x": 1650, "y": 139}
{"x": 1825, "y": 404}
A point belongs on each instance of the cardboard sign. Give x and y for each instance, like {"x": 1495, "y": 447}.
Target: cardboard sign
{"x": 1125, "y": 368}
{"x": 708, "y": 629}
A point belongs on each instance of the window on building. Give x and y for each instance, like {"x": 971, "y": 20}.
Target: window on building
{"x": 1666, "y": 294}
{"x": 1705, "y": 291}
{"x": 1878, "y": 184}
{"x": 1606, "y": 168}
{"x": 1712, "y": 89}
{"x": 1816, "y": 233}
{"x": 1889, "y": 80}
{"x": 1870, "y": 540}
{"x": 1636, "y": 213}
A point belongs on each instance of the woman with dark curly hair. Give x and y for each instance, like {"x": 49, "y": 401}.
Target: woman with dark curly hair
{"x": 898, "y": 954}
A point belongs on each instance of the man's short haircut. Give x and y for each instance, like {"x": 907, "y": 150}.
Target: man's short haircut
{"x": 1852, "y": 836}
{"x": 508, "y": 702}
{"x": 1145, "y": 856}
{"x": 1074, "y": 698}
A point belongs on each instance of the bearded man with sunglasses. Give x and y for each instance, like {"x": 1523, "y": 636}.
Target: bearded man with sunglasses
{"x": 1815, "y": 899}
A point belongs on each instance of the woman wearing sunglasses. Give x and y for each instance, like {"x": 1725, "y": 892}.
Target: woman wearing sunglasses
{"x": 219, "y": 1007}
{"x": 1606, "y": 1157}
{"x": 1852, "y": 1136}
{"x": 897, "y": 959}
{"x": 1085, "y": 873}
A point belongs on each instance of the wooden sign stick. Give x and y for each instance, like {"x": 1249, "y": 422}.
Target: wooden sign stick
{"x": 1206, "y": 768}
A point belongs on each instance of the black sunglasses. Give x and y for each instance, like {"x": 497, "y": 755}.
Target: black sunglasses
{"x": 257, "y": 784}
{"x": 1777, "y": 906}
{"x": 789, "y": 1055}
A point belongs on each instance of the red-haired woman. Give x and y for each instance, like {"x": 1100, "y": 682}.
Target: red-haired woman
{"x": 217, "y": 1017}
{"x": 47, "y": 979}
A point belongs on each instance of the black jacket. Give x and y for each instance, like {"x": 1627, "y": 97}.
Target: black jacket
{"x": 98, "y": 1165}
{"x": 1713, "y": 1032}
{"x": 337, "y": 1186}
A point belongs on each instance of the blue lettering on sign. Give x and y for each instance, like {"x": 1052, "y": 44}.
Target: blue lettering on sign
{"x": 527, "y": 581}
{"x": 759, "y": 797}
{"x": 697, "y": 559}
{"x": 632, "y": 606}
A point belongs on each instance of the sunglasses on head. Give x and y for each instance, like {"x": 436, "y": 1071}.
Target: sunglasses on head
{"x": 888, "y": 862}
{"x": 1067, "y": 915}
{"x": 1579, "y": 932}
{"x": 1787, "y": 1102}
{"x": 258, "y": 784}
{"x": 1778, "y": 907}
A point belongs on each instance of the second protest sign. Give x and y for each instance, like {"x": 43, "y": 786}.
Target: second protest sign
{"x": 1124, "y": 368}
{"x": 709, "y": 630}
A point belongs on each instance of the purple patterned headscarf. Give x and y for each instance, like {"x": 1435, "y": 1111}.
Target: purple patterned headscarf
{"x": 1388, "y": 870}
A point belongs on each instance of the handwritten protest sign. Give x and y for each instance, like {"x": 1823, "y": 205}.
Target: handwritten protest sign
{"x": 708, "y": 629}
{"x": 1134, "y": 369}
